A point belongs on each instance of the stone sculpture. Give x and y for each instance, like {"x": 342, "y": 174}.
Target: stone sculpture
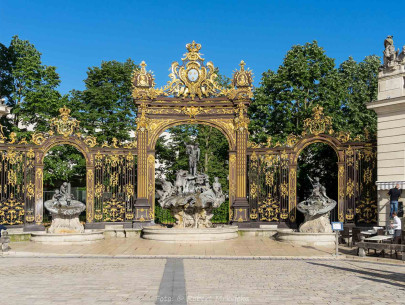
{"x": 316, "y": 209}
{"x": 193, "y": 152}
{"x": 401, "y": 56}
{"x": 4, "y": 241}
{"x": 191, "y": 200}
{"x": 65, "y": 211}
{"x": 391, "y": 57}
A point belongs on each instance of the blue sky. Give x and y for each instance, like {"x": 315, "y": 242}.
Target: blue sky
{"x": 74, "y": 35}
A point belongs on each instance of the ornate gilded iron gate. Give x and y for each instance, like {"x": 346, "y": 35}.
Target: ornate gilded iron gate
{"x": 268, "y": 186}
{"x": 115, "y": 182}
{"x": 193, "y": 96}
{"x": 110, "y": 174}
{"x": 17, "y": 187}
{"x": 272, "y": 174}
{"x": 262, "y": 177}
{"x": 366, "y": 208}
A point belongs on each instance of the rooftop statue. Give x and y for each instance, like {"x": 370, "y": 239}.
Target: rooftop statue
{"x": 316, "y": 209}
{"x": 191, "y": 199}
{"x": 401, "y": 56}
{"x": 391, "y": 56}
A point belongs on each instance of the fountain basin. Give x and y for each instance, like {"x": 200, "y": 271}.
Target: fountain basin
{"x": 87, "y": 237}
{"x": 306, "y": 239}
{"x": 190, "y": 235}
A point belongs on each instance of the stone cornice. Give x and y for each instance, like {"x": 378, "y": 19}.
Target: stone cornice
{"x": 388, "y": 105}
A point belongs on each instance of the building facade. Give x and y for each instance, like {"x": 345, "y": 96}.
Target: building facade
{"x": 390, "y": 109}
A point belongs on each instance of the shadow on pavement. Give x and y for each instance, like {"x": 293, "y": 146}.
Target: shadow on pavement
{"x": 387, "y": 278}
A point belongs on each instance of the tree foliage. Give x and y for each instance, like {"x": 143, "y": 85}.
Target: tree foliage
{"x": 28, "y": 86}
{"x": 64, "y": 163}
{"x": 171, "y": 156}
{"x": 171, "y": 152}
{"x": 105, "y": 108}
{"x": 317, "y": 160}
{"x": 308, "y": 77}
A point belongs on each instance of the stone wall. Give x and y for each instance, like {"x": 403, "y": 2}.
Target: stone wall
{"x": 390, "y": 109}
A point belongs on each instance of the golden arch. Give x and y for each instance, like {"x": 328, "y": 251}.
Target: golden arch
{"x": 224, "y": 126}
{"x": 227, "y": 117}
{"x": 60, "y": 140}
{"x": 331, "y": 141}
{"x": 339, "y": 149}
{"x": 39, "y": 183}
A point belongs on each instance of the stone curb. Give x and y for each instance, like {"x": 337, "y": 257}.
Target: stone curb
{"x": 217, "y": 257}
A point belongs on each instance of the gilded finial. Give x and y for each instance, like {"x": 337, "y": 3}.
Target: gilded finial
{"x": 64, "y": 111}
{"x": 143, "y": 66}
{"x": 242, "y": 65}
{"x": 193, "y": 47}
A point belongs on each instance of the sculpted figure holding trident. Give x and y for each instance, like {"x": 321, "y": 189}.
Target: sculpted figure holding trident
{"x": 193, "y": 152}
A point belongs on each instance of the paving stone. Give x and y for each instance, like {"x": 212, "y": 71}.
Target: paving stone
{"x": 51, "y": 280}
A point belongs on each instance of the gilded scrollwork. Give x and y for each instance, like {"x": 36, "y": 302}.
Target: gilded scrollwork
{"x": 114, "y": 210}
{"x": 349, "y": 156}
{"x": 143, "y": 84}
{"x": 38, "y": 138}
{"x": 343, "y": 136}
{"x": 292, "y": 140}
{"x": 242, "y": 84}
{"x": 12, "y": 211}
{"x": 192, "y": 111}
{"x": 3, "y": 138}
{"x": 319, "y": 123}
{"x": 64, "y": 124}
{"x": 241, "y": 120}
{"x": 90, "y": 141}
{"x": 193, "y": 78}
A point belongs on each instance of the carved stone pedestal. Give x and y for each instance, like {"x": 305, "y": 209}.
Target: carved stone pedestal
{"x": 317, "y": 224}
{"x": 66, "y": 225}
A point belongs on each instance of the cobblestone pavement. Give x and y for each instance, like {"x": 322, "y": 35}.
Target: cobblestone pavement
{"x": 199, "y": 281}
{"x": 242, "y": 246}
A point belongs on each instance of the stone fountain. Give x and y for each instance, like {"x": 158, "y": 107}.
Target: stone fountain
{"x": 191, "y": 201}
{"x": 65, "y": 226}
{"x": 316, "y": 229}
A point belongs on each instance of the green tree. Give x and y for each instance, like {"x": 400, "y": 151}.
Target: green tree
{"x": 105, "y": 108}
{"x": 28, "y": 86}
{"x": 222, "y": 79}
{"x": 171, "y": 151}
{"x": 285, "y": 98}
{"x": 171, "y": 155}
{"x": 308, "y": 77}
{"x": 64, "y": 163}
{"x": 360, "y": 83}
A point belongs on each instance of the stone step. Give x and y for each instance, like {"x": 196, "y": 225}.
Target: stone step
{"x": 114, "y": 227}
{"x": 270, "y": 227}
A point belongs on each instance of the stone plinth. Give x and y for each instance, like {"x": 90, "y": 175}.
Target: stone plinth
{"x": 318, "y": 224}
{"x": 306, "y": 239}
{"x": 65, "y": 224}
{"x": 188, "y": 235}
{"x": 66, "y": 239}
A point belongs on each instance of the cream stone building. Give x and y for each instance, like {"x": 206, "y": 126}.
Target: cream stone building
{"x": 390, "y": 109}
